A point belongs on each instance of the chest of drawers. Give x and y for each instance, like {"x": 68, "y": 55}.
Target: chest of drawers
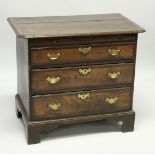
{"x": 74, "y": 69}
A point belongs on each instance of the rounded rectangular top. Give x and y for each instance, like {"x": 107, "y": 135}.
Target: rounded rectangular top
{"x": 79, "y": 25}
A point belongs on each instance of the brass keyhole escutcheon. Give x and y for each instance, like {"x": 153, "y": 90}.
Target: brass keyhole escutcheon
{"x": 83, "y": 96}
{"x": 85, "y": 50}
{"x": 85, "y": 71}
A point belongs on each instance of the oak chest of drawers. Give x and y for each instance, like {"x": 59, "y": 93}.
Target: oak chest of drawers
{"x": 74, "y": 69}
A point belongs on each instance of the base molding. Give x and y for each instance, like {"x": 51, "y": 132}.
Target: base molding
{"x": 33, "y": 129}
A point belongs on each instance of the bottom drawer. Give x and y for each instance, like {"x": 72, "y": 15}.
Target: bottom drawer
{"x": 74, "y": 104}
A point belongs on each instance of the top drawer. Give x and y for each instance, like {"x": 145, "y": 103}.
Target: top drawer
{"x": 82, "y": 40}
{"x": 82, "y": 54}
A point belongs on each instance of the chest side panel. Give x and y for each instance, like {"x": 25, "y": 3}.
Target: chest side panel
{"x": 23, "y": 72}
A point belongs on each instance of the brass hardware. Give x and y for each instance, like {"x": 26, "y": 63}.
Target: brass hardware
{"x": 83, "y": 96}
{"x": 114, "y": 75}
{"x": 112, "y": 100}
{"x": 53, "y": 80}
{"x": 113, "y": 52}
{"x": 85, "y": 71}
{"x": 53, "y": 56}
{"x": 85, "y": 50}
{"x": 54, "y": 106}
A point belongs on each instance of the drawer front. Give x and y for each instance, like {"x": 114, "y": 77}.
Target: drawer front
{"x": 82, "y": 54}
{"x": 78, "y": 40}
{"x": 81, "y": 103}
{"x": 74, "y": 78}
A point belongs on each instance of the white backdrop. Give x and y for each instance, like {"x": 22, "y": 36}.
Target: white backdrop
{"x": 91, "y": 138}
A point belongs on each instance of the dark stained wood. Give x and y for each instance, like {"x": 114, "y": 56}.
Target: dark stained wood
{"x": 34, "y": 27}
{"x": 72, "y": 106}
{"x": 38, "y": 36}
{"x": 34, "y": 129}
{"x": 72, "y": 55}
{"x": 71, "y": 78}
{"x": 75, "y": 41}
{"x": 128, "y": 123}
{"x": 23, "y": 72}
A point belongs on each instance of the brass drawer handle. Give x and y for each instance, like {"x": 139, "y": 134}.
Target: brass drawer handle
{"x": 53, "y": 56}
{"x": 112, "y": 100}
{"x": 54, "y": 106}
{"x": 83, "y": 96}
{"x": 85, "y": 71}
{"x": 114, "y": 75}
{"x": 85, "y": 50}
{"x": 53, "y": 80}
{"x": 113, "y": 52}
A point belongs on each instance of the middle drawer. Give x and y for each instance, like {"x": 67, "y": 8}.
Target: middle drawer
{"x": 74, "y": 78}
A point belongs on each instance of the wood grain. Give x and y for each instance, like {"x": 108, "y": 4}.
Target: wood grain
{"x": 72, "y": 106}
{"x": 38, "y": 36}
{"x": 71, "y": 78}
{"x": 23, "y": 72}
{"x": 72, "y": 55}
{"x": 75, "y": 41}
{"x": 34, "y": 27}
{"x": 34, "y": 129}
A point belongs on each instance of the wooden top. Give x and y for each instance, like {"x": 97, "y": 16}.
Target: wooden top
{"x": 81, "y": 25}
